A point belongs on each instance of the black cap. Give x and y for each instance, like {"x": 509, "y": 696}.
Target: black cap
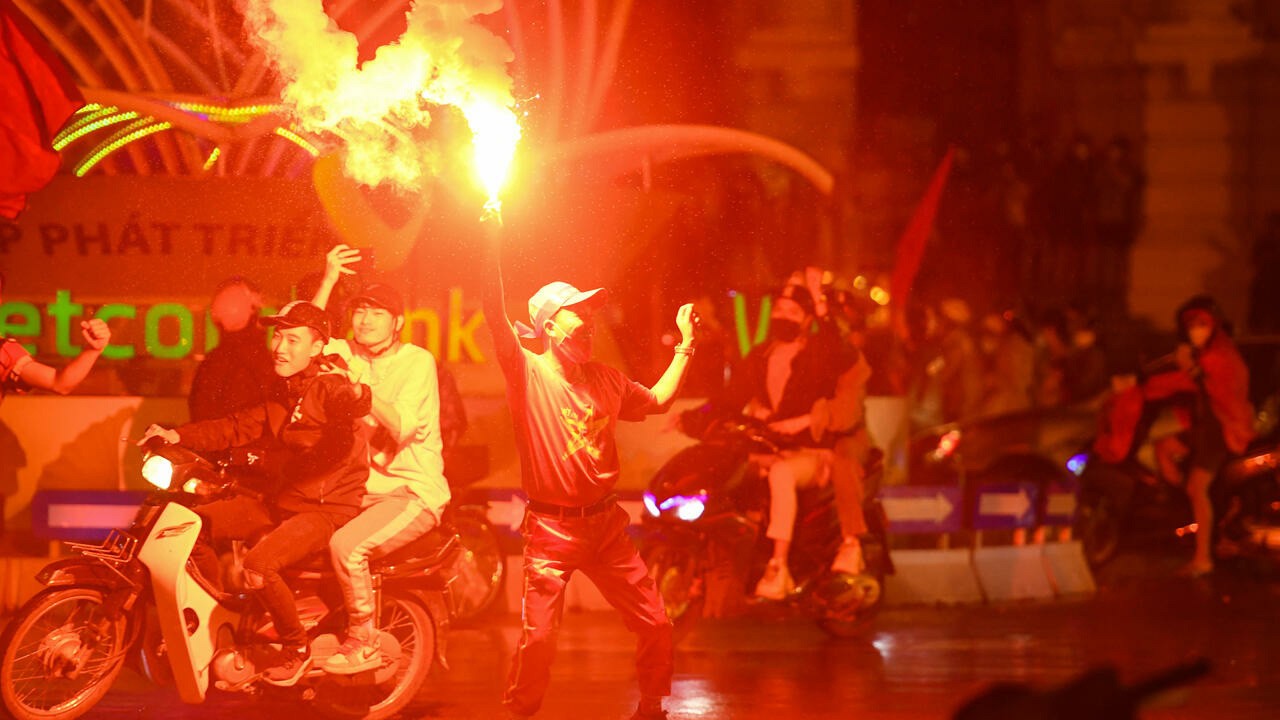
{"x": 301, "y": 313}
{"x": 800, "y": 295}
{"x": 379, "y": 295}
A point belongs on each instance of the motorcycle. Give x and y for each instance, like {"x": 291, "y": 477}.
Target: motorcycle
{"x": 137, "y": 598}
{"x": 1126, "y": 500}
{"x": 706, "y": 509}
{"x": 482, "y": 567}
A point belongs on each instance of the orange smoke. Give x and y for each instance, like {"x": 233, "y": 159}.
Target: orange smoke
{"x": 444, "y": 58}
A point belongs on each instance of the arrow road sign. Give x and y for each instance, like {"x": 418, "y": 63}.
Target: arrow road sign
{"x": 507, "y": 512}
{"x": 1005, "y": 506}
{"x": 1060, "y": 505}
{"x": 82, "y": 515}
{"x": 921, "y": 508}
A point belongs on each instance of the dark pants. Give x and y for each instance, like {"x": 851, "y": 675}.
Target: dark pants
{"x": 598, "y": 546}
{"x": 287, "y": 541}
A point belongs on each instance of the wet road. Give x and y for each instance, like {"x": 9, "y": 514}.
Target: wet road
{"x": 915, "y": 663}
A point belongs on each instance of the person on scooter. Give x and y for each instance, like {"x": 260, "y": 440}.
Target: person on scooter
{"x": 309, "y": 439}
{"x": 1211, "y": 372}
{"x": 565, "y": 407}
{"x": 406, "y": 492}
{"x": 808, "y": 388}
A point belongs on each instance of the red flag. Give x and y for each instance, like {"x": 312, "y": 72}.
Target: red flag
{"x": 911, "y": 244}
{"x": 38, "y": 95}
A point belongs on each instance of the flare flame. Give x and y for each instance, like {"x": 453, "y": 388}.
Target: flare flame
{"x": 444, "y": 58}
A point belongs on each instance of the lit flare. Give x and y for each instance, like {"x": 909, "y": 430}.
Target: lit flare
{"x": 445, "y": 57}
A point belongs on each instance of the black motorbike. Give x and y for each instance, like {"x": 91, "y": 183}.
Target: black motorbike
{"x": 706, "y": 515}
{"x": 1127, "y": 502}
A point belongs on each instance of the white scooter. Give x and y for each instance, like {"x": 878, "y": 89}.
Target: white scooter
{"x": 137, "y": 597}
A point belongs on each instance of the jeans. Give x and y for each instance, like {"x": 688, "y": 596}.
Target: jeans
{"x": 597, "y": 545}
{"x": 286, "y": 543}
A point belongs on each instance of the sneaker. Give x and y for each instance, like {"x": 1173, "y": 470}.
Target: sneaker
{"x": 776, "y": 583}
{"x": 358, "y": 653}
{"x": 648, "y": 711}
{"x": 849, "y": 558}
{"x": 1195, "y": 570}
{"x": 288, "y": 666}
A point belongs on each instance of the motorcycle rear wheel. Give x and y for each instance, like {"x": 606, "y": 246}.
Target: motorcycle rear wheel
{"x": 363, "y": 696}
{"x": 482, "y": 567}
{"x": 681, "y": 584}
{"x": 61, "y": 655}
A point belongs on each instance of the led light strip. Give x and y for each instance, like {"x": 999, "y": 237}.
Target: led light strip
{"x": 298, "y": 140}
{"x": 134, "y": 131}
{"x": 221, "y": 113}
{"x": 93, "y": 122}
{"x": 213, "y": 158}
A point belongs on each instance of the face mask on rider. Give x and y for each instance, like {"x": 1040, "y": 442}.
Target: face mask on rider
{"x": 575, "y": 346}
{"x": 1199, "y": 335}
{"x": 784, "y": 330}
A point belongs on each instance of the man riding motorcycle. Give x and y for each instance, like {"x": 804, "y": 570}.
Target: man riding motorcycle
{"x": 808, "y": 388}
{"x": 309, "y": 441}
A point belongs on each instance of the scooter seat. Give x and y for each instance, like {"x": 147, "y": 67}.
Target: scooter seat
{"x": 430, "y": 549}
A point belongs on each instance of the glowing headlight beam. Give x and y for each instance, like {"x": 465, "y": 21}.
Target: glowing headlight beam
{"x": 651, "y": 505}
{"x": 158, "y": 471}
{"x": 691, "y": 510}
{"x": 687, "y": 508}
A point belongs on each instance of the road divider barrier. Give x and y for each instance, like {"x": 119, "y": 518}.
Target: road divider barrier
{"x": 1015, "y": 539}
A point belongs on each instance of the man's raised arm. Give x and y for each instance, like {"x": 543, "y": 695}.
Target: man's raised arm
{"x": 664, "y": 391}
{"x": 335, "y": 266}
{"x": 505, "y": 344}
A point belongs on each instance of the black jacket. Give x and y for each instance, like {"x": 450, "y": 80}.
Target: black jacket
{"x": 814, "y": 373}
{"x": 314, "y": 442}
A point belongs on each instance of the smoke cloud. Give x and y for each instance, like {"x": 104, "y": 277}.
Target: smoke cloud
{"x": 377, "y": 110}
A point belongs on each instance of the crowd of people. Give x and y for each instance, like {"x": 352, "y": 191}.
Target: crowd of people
{"x": 353, "y": 436}
{"x": 1039, "y": 221}
{"x": 356, "y": 432}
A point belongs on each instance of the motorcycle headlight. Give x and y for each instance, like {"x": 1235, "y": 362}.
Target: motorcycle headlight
{"x": 158, "y": 471}
{"x": 651, "y": 505}
{"x": 1077, "y": 464}
{"x": 687, "y": 508}
{"x": 691, "y": 510}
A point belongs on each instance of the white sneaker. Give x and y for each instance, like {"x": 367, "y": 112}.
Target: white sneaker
{"x": 776, "y": 583}
{"x": 849, "y": 558}
{"x": 357, "y": 654}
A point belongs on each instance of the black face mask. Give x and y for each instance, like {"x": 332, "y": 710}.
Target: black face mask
{"x": 784, "y": 330}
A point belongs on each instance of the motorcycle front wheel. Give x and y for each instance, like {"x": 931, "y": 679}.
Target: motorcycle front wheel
{"x": 61, "y": 655}
{"x": 408, "y": 649}
{"x": 681, "y": 584}
{"x": 846, "y": 604}
{"x": 1098, "y": 528}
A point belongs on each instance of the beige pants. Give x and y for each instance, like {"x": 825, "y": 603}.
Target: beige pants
{"x": 386, "y": 523}
{"x": 797, "y": 469}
